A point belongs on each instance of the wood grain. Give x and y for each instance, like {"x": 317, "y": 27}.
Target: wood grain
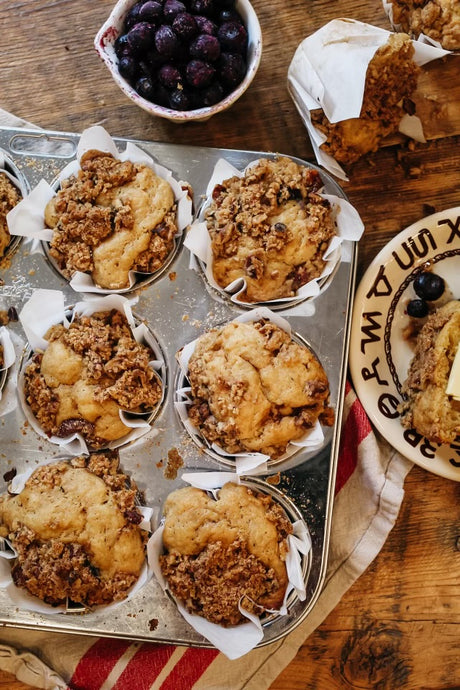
{"x": 398, "y": 625}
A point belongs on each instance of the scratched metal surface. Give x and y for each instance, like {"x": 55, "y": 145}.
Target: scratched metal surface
{"x": 177, "y": 311}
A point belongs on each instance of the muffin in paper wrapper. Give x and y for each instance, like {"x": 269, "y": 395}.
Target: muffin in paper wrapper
{"x": 28, "y": 602}
{"x": 235, "y": 641}
{"x": 348, "y": 227}
{"x": 243, "y": 462}
{"x": 328, "y": 71}
{"x": 27, "y": 218}
{"x": 46, "y": 308}
{"x": 388, "y": 6}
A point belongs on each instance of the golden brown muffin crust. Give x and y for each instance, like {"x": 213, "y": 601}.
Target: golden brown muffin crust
{"x": 221, "y": 551}
{"x": 75, "y": 527}
{"x": 88, "y": 373}
{"x": 438, "y": 19}
{"x": 271, "y": 228}
{"x": 112, "y": 217}
{"x": 255, "y": 389}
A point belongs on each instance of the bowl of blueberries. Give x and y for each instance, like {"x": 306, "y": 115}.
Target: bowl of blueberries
{"x": 183, "y": 60}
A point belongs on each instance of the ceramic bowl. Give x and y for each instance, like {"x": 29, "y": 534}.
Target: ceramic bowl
{"x": 112, "y": 28}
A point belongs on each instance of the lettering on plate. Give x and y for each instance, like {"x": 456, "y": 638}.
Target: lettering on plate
{"x": 414, "y": 249}
{"x": 372, "y": 373}
{"x": 381, "y": 286}
{"x": 388, "y": 405}
{"x": 368, "y": 330}
{"x": 454, "y": 227}
{"x": 426, "y": 448}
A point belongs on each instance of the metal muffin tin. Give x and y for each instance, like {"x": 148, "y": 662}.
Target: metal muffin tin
{"x": 178, "y": 306}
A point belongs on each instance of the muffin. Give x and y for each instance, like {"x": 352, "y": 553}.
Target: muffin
{"x": 270, "y": 228}
{"x": 9, "y": 197}
{"x": 437, "y": 19}
{"x": 220, "y": 552}
{"x": 427, "y": 407}
{"x": 76, "y": 531}
{"x": 391, "y": 79}
{"x": 255, "y": 389}
{"x": 88, "y": 374}
{"x": 111, "y": 218}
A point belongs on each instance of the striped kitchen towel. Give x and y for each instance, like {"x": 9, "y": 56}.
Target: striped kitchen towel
{"x": 370, "y": 475}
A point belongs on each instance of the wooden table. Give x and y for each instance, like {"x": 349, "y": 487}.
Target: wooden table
{"x": 398, "y": 625}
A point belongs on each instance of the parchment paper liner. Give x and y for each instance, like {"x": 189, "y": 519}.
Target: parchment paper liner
{"x": 27, "y": 218}
{"x": 240, "y": 639}
{"x": 46, "y": 308}
{"x": 25, "y": 601}
{"x": 388, "y": 8}
{"x": 328, "y": 71}
{"x": 255, "y": 463}
{"x": 348, "y": 226}
{"x": 14, "y": 241}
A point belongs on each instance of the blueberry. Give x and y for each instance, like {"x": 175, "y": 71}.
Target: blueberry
{"x": 180, "y": 100}
{"x": 428, "y": 286}
{"x": 185, "y": 26}
{"x": 127, "y": 66}
{"x": 206, "y": 25}
{"x": 233, "y": 37}
{"x": 141, "y": 37}
{"x": 232, "y": 68}
{"x": 417, "y": 308}
{"x": 212, "y": 94}
{"x": 151, "y": 11}
{"x": 166, "y": 41}
{"x": 121, "y": 46}
{"x": 132, "y": 16}
{"x": 229, "y": 15}
{"x": 205, "y": 7}
{"x": 205, "y": 47}
{"x": 199, "y": 73}
{"x": 172, "y": 8}
{"x": 145, "y": 88}
{"x": 169, "y": 76}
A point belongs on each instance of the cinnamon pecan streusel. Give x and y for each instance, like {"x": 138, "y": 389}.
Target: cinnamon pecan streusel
{"x": 438, "y": 19}
{"x": 220, "y": 552}
{"x": 75, "y": 527}
{"x": 9, "y": 197}
{"x": 111, "y": 218}
{"x": 427, "y": 407}
{"x": 391, "y": 79}
{"x": 87, "y": 374}
{"x": 253, "y": 388}
{"x": 270, "y": 227}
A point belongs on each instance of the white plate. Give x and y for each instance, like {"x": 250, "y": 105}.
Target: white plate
{"x": 379, "y": 354}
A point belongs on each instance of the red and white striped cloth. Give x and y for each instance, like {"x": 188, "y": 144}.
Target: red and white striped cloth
{"x": 369, "y": 491}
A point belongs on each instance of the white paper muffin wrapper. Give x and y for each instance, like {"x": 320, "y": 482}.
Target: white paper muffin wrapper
{"x": 198, "y": 241}
{"x": 27, "y": 217}
{"x": 25, "y": 601}
{"x": 238, "y": 640}
{"x": 255, "y": 463}
{"x": 328, "y": 71}
{"x": 46, "y": 308}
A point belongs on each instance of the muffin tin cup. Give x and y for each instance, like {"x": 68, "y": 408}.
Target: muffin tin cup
{"x": 20, "y": 597}
{"x": 198, "y": 241}
{"x": 36, "y": 323}
{"x": 240, "y": 639}
{"x": 311, "y": 442}
{"x": 9, "y": 356}
{"x": 28, "y": 218}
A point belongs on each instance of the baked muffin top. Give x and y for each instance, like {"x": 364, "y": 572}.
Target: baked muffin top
{"x": 253, "y": 388}
{"x": 111, "y": 218}
{"x": 426, "y": 407}
{"x": 219, "y": 551}
{"x": 270, "y": 227}
{"x": 9, "y": 197}
{"x": 87, "y": 374}
{"x": 438, "y": 19}
{"x": 75, "y": 528}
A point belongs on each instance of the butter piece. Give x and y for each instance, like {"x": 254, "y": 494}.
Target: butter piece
{"x": 453, "y": 384}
